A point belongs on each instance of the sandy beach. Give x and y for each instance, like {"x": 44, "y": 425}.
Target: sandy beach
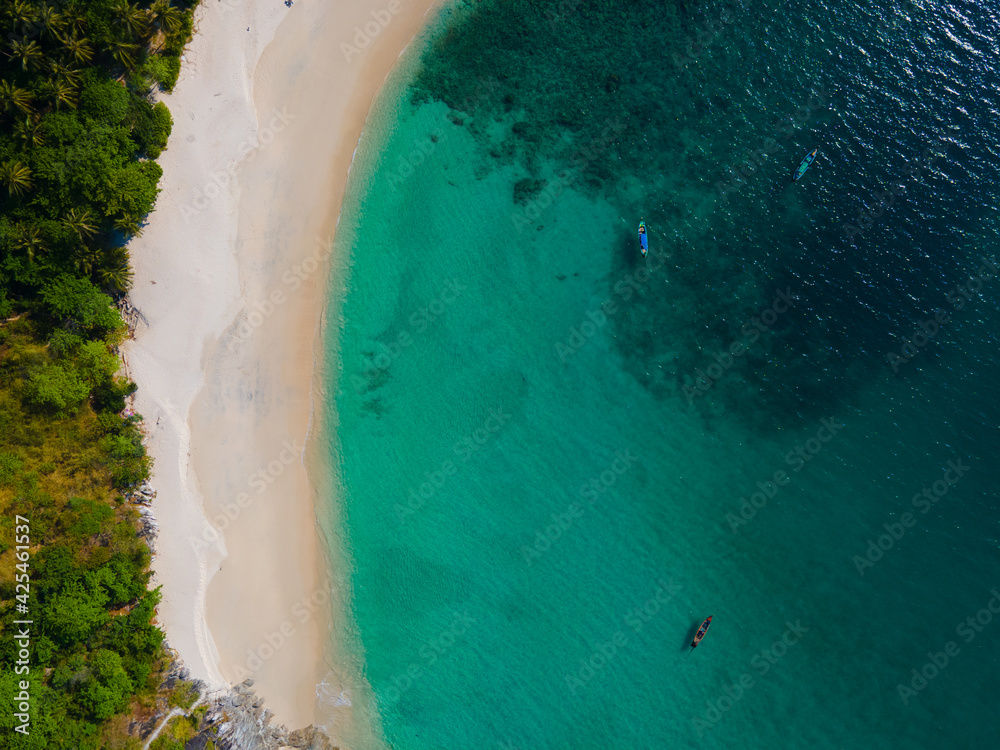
{"x": 231, "y": 276}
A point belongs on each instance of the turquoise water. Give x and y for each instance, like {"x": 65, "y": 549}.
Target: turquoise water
{"x": 549, "y": 464}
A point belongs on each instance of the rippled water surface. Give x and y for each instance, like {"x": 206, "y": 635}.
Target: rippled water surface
{"x": 558, "y": 456}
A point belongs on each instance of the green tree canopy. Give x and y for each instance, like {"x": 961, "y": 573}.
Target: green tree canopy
{"x": 123, "y": 580}
{"x": 78, "y": 303}
{"x": 56, "y": 388}
{"x": 108, "y": 689}
{"x": 96, "y": 363}
{"x": 103, "y": 99}
{"x": 73, "y": 614}
{"x": 152, "y": 127}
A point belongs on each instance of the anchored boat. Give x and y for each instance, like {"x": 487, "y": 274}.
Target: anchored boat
{"x": 806, "y": 163}
{"x": 643, "y": 240}
{"x": 701, "y": 632}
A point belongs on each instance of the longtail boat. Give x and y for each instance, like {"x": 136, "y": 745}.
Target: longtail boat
{"x": 701, "y": 632}
{"x": 806, "y": 163}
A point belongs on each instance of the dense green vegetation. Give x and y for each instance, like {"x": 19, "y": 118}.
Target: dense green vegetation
{"x": 63, "y": 449}
{"x": 78, "y": 132}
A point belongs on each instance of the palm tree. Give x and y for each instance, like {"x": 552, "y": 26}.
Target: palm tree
{"x": 115, "y": 272}
{"x": 60, "y": 92}
{"x": 117, "y": 278}
{"x": 128, "y": 225}
{"x": 80, "y": 221}
{"x": 65, "y": 93}
{"x": 30, "y": 240}
{"x": 13, "y": 97}
{"x": 16, "y": 176}
{"x": 165, "y": 17}
{"x": 28, "y": 52}
{"x": 23, "y": 13}
{"x": 74, "y": 20}
{"x": 131, "y": 19}
{"x": 51, "y": 21}
{"x": 79, "y": 48}
{"x": 116, "y": 256}
{"x": 64, "y": 73}
{"x": 29, "y": 130}
{"x": 124, "y": 53}
{"x": 86, "y": 259}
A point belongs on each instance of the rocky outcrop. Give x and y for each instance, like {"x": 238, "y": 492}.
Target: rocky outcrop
{"x": 237, "y": 720}
{"x": 131, "y": 315}
{"x": 142, "y": 497}
{"x": 310, "y": 738}
{"x": 143, "y": 494}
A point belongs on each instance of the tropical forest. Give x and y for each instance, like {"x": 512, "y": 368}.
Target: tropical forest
{"x": 80, "y": 129}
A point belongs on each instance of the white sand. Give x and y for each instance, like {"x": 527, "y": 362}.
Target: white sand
{"x": 231, "y": 276}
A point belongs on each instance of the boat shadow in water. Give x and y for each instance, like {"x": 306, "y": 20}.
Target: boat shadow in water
{"x": 629, "y": 252}
{"x": 692, "y": 632}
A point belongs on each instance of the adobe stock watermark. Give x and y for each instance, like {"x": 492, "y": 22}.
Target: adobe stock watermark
{"x": 407, "y": 165}
{"x": 749, "y": 334}
{"x": 923, "y": 501}
{"x": 957, "y": 297}
{"x": 365, "y": 34}
{"x": 915, "y": 169}
{"x": 486, "y": 86}
{"x": 701, "y": 41}
{"x": 748, "y": 508}
{"x": 422, "y": 149}
{"x": 605, "y": 652}
{"x": 968, "y": 629}
{"x": 565, "y": 178}
{"x": 795, "y": 458}
{"x": 429, "y": 653}
{"x": 291, "y": 281}
{"x": 271, "y": 643}
{"x": 805, "y": 452}
{"x": 378, "y": 362}
{"x": 258, "y": 481}
{"x": 784, "y": 129}
{"x": 624, "y": 289}
{"x": 762, "y": 663}
{"x": 464, "y": 448}
{"x": 591, "y": 492}
{"x": 21, "y": 708}
{"x": 218, "y": 181}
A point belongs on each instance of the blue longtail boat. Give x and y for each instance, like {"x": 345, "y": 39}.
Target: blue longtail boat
{"x": 806, "y": 163}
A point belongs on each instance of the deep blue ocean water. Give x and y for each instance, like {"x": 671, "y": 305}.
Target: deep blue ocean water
{"x": 557, "y": 457}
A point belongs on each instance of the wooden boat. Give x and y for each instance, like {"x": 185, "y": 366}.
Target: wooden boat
{"x": 701, "y": 632}
{"x": 805, "y": 164}
{"x": 643, "y": 239}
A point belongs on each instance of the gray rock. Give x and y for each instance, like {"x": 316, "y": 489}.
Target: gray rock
{"x": 236, "y": 720}
{"x": 310, "y": 738}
